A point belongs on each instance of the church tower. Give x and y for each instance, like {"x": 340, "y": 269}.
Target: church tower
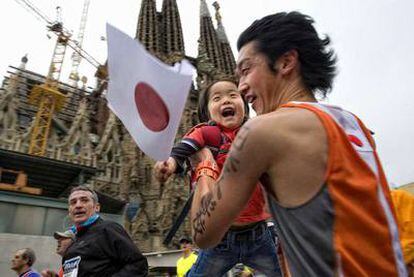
{"x": 87, "y": 135}
{"x": 171, "y": 32}
{"x": 161, "y": 33}
{"x": 227, "y": 57}
{"x": 215, "y": 59}
{"x": 147, "y": 29}
{"x": 209, "y": 40}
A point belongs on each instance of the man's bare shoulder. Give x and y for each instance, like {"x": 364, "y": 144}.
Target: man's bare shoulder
{"x": 284, "y": 120}
{"x": 293, "y": 116}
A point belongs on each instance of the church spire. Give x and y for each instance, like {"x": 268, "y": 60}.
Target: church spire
{"x": 171, "y": 34}
{"x": 147, "y": 29}
{"x": 204, "y": 9}
{"x": 208, "y": 37}
{"x": 227, "y": 57}
{"x": 221, "y": 34}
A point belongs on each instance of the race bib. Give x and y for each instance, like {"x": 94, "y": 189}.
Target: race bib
{"x": 71, "y": 267}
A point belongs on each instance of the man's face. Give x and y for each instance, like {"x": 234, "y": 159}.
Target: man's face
{"x": 258, "y": 84}
{"x": 62, "y": 245}
{"x": 17, "y": 262}
{"x": 81, "y": 206}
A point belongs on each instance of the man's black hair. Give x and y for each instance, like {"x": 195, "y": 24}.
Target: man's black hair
{"x": 276, "y": 34}
{"x": 203, "y": 113}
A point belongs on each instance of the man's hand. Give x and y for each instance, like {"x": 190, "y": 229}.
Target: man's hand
{"x": 163, "y": 170}
{"x": 48, "y": 273}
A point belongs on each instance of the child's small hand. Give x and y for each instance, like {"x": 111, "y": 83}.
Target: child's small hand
{"x": 163, "y": 170}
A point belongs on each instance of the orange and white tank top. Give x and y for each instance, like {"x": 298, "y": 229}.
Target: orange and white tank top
{"x": 349, "y": 227}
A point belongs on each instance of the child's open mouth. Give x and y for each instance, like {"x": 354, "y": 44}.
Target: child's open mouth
{"x": 226, "y": 112}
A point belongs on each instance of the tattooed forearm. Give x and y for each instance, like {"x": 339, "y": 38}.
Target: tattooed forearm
{"x": 208, "y": 201}
{"x": 207, "y": 204}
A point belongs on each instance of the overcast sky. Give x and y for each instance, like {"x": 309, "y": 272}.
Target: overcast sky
{"x": 373, "y": 40}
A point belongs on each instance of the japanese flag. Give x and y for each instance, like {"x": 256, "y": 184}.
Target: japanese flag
{"x": 147, "y": 95}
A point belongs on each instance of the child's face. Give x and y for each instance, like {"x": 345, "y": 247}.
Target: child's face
{"x": 225, "y": 105}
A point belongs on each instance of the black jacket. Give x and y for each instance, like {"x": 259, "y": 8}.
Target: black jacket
{"x": 106, "y": 249}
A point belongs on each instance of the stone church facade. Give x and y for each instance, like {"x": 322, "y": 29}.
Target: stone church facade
{"x": 86, "y": 132}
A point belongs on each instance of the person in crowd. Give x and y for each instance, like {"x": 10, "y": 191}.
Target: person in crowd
{"x": 188, "y": 258}
{"x": 404, "y": 209}
{"x": 325, "y": 185}
{"x": 22, "y": 262}
{"x": 101, "y": 247}
{"x": 248, "y": 240}
{"x": 64, "y": 240}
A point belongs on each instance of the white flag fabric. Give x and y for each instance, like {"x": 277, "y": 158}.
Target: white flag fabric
{"x": 147, "y": 95}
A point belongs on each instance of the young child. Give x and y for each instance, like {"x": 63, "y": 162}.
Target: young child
{"x": 249, "y": 240}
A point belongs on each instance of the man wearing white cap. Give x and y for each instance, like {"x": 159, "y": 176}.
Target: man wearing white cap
{"x": 64, "y": 240}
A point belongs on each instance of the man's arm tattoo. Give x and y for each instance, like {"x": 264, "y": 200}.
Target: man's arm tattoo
{"x": 210, "y": 200}
{"x": 238, "y": 145}
{"x": 241, "y": 138}
{"x": 232, "y": 165}
{"x": 207, "y": 205}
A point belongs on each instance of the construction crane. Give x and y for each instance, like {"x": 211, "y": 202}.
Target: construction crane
{"x": 71, "y": 43}
{"x": 76, "y": 57}
{"x": 47, "y": 96}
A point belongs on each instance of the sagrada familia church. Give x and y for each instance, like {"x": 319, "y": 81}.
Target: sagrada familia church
{"x": 87, "y": 144}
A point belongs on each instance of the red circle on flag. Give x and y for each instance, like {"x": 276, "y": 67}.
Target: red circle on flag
{"x": 151, "y": 107}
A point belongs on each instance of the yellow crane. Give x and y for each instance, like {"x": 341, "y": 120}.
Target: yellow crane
{"x": 76, "y": 56}
{"x": 47, "y": 96}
